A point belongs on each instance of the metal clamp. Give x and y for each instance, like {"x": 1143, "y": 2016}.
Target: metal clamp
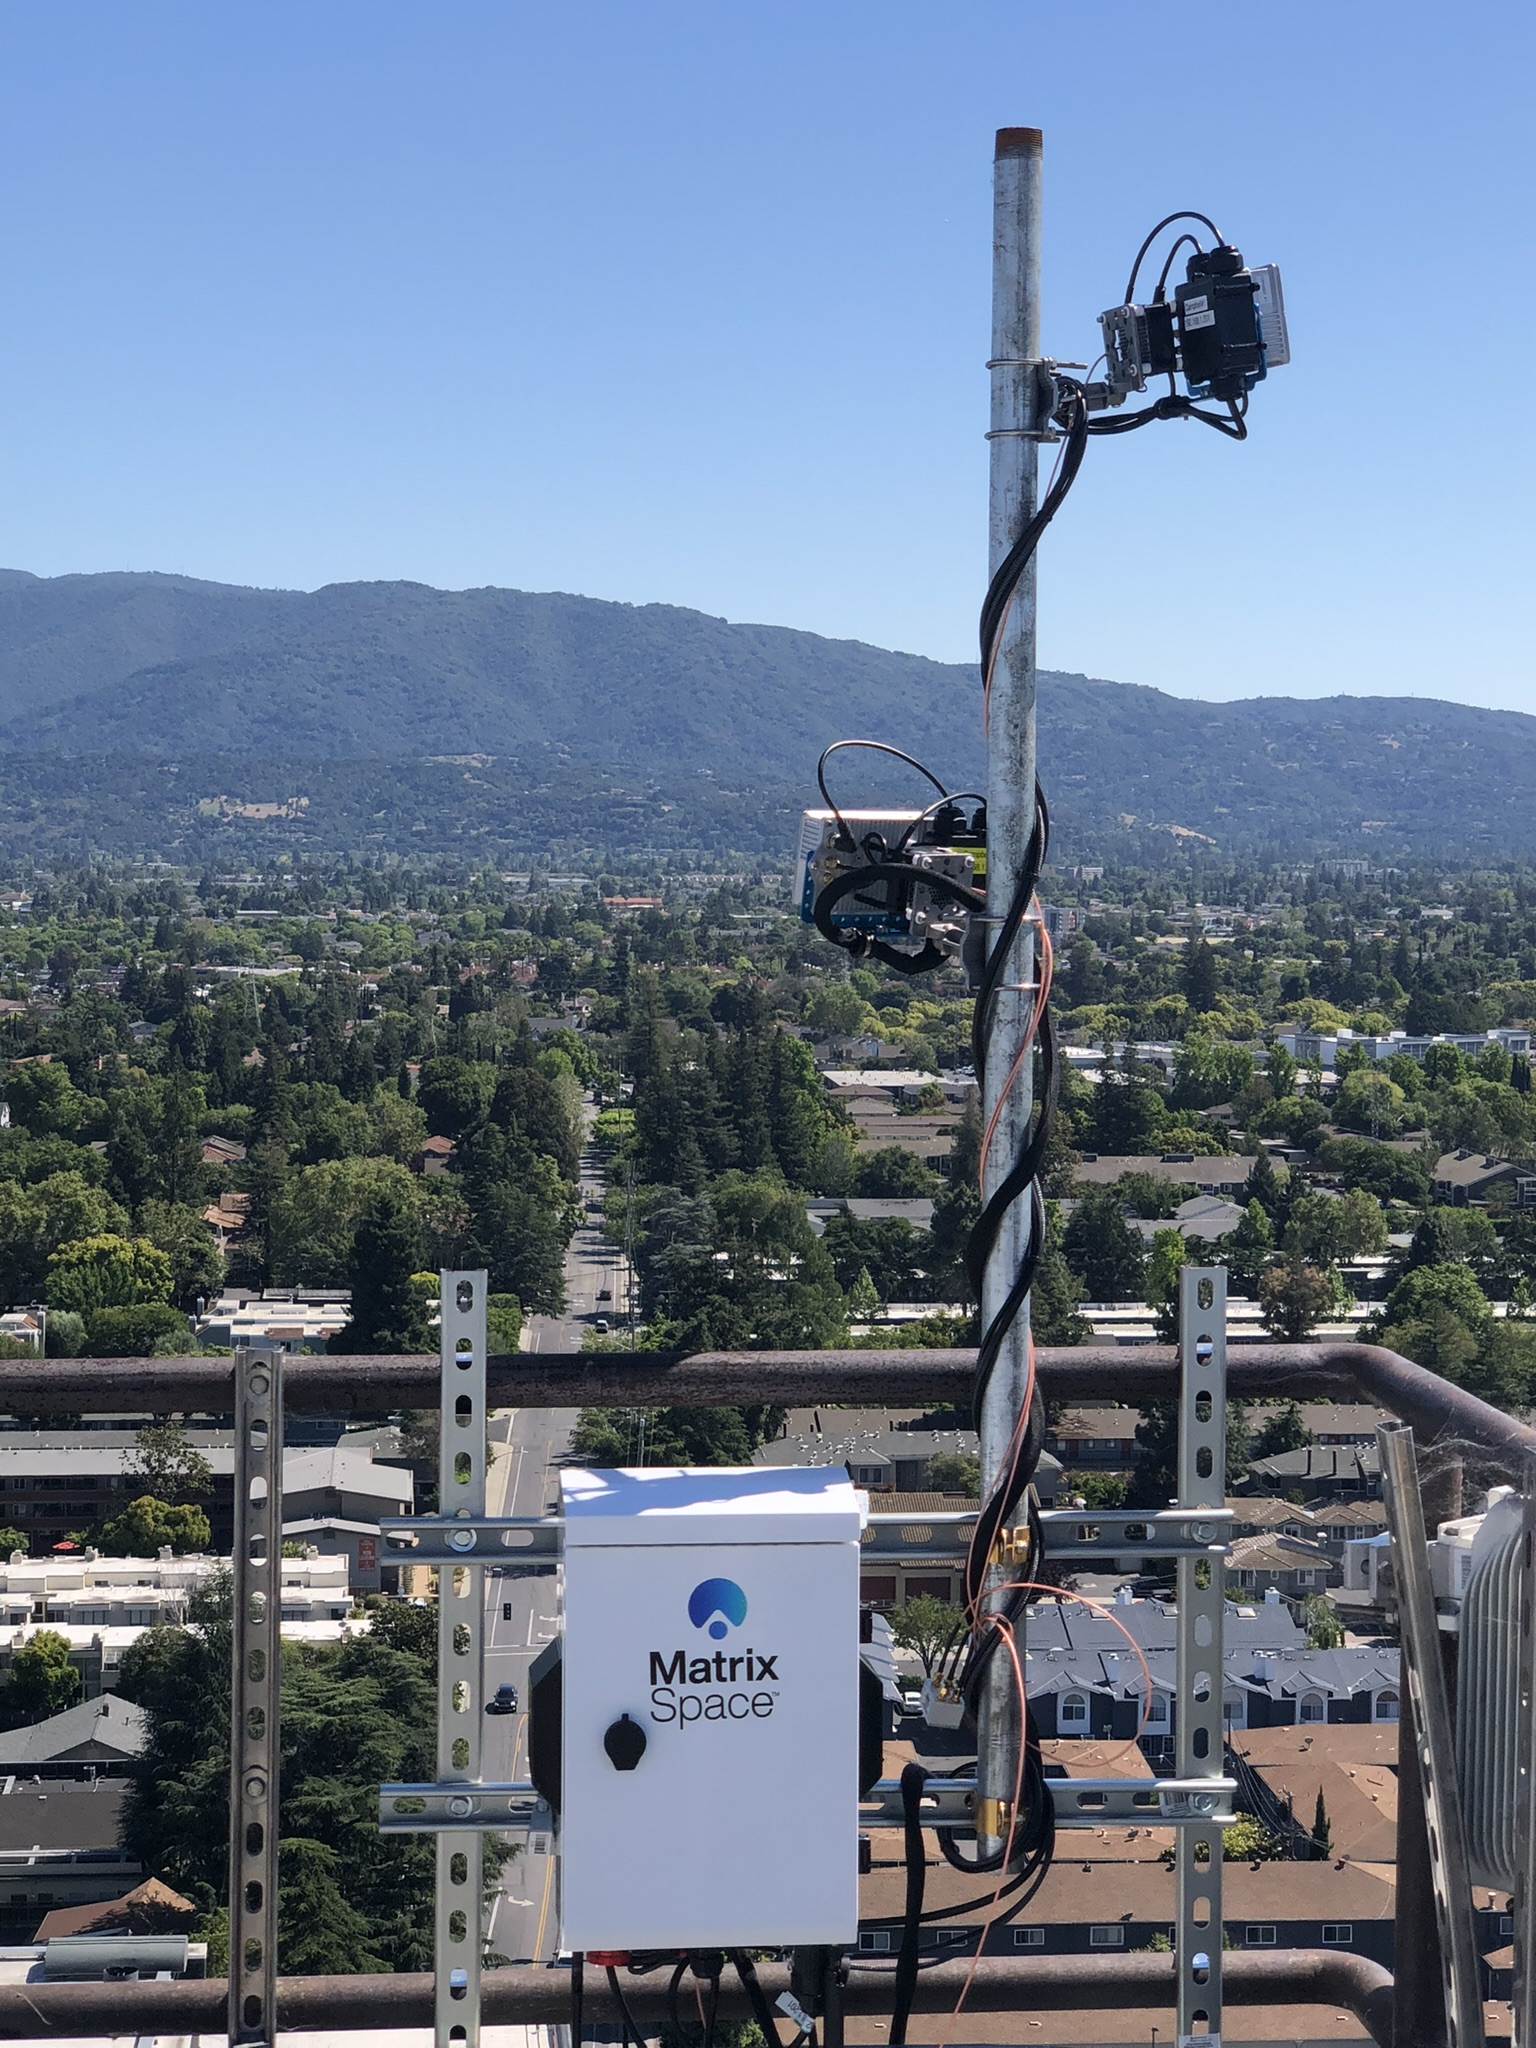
{"x": 429, "y": 1809}
{"x": 1079, "y": 1802}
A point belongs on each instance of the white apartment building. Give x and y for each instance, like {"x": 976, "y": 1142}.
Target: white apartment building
{"x": 1322, "y": 1048}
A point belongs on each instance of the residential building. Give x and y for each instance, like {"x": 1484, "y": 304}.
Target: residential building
{"x": 59, "y": 1846}
{"x": 883, "y": 1452}
{"x": 1462, "y": 1178}
{"x": 1091, "y": 1439}
{"x": 1084, "y": 1680}
{"x": 1321, "y": 1473}
{"x": 292, "y": 1319}
{"x": 1094, "y": 1906}
{"x": 56, "y": 1482}
{"x": 1295, "y": 1568}
{"x": 1208, "y": 1175}
{"x": 1322, "y": 1048}
{"x": 1260, "y": 1515}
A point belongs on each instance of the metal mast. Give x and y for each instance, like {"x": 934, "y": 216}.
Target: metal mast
{"x": 1015, "y": 430}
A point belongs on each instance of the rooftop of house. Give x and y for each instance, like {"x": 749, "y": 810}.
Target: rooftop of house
{"x": 1110, "y": 1425}
{"x": 150, "y": 1906}
{"x": 914, "y": 1209}
{"x": 1276, "y": 1553}
{"x": 1078, "y": 1890}
{"x": 1347, "y": 1742}
{"x": 1465, "y": 1169}
{"x": 1317, "y": 1461}
{"x": 61, "y": 1813}
{"x": 1098, "y": 1169}
{"x": 105, "y": 1727}
{"x": 304, "y": 1469}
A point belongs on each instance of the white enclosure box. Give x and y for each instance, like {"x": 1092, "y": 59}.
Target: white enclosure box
{"x": 716, "y": 1612}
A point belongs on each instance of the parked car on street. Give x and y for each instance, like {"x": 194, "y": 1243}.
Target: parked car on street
{"x": 505, "y": 1701}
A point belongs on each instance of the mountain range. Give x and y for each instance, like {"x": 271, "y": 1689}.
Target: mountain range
{"x": 153, "y": 713}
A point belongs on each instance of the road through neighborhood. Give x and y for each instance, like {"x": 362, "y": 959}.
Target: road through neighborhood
{"x": 522, "y": 1613}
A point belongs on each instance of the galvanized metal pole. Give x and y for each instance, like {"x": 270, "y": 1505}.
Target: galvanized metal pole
{"x": 1200, "y": 1736}
{"x": 1016, "y": 212}
{"x": 255, "y": 1660}
{"x": 460, "y": 1656}
{"x": 1434, "y": 1737}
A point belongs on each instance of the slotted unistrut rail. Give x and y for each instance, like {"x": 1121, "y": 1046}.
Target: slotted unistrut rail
{"x": 460, "y": 1657}
{"x": 255, "y": 1661}
{"x": 1201, "y": 1749}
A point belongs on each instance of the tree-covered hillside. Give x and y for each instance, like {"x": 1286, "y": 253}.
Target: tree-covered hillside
{"x": 158, "y": 713}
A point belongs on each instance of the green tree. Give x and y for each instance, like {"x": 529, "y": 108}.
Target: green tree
{"x": 166, "y": 1463}
{"x": 521, "y": 1220}
{"x": 146, "y": 1526}
{"x": 1327, "y": 1228}
{"x": 1247, "y": 1840}
{"x": 1053, "y": 1299}
{"x": 892, "y": 1171}
{"x": 1247, "y": 1249}
{"x": 61, "y": 1208}
{"x": 863, "y": 1301}
{"x": 1199, "y": 975}
{"x": 1280, "y": 1429}
{"x": 314, "y": 1216}
{"x": 1322, "y": 1828}
{"x": 1324, "y": 1629}
{"x": 43, "y": 1682}
{"x": 928, "y": 1626}
{"x": 1280, "y": 1069}
{"x": 1103, "y": 1248}
{"x": 197, "y": 1264}
{"x": 44, "y": 1100}
{"x": 454, "y": 1094}
{"x": 1154, "y": 1481}
{"x": 388, "y": 1314}
{"x": 107, "y": 1271}
{"x": 954, "y": 1472}
{"x": 12, "y": 1540}
{"x": 355, "y": 1715}
{"x": 144, "y": 1329}
{"x": 1168, "y": 1259}
{"x": 1296, "y": 1297}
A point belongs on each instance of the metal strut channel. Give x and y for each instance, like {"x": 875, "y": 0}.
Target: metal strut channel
{"x": 1200, "y": 1752}
{"x": 255, "y": 1660}
{"x": 947, "y": 1803}
{"x": 1424, "y": 1673}
{"x": 460, "y": 1658}
{"x": 500, "y": 1540}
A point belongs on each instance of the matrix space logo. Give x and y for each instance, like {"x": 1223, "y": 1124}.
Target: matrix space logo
{"x": 688, "y": 1686}
{"x": 718, "y": 1605}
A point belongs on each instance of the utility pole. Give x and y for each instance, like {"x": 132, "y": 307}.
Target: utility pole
{"x": 1016, "y": 428}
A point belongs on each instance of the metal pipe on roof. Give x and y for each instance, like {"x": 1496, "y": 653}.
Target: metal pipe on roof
{"x": 367, "y": 1385}
{"x": 533, "y": 1995}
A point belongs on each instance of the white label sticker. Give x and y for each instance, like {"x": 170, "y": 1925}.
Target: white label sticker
{"x": 1192, "y": 321}
{"x": 1196, "y": 305}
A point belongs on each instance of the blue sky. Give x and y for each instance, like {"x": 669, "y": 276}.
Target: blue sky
{"x": 687, "y": 302}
